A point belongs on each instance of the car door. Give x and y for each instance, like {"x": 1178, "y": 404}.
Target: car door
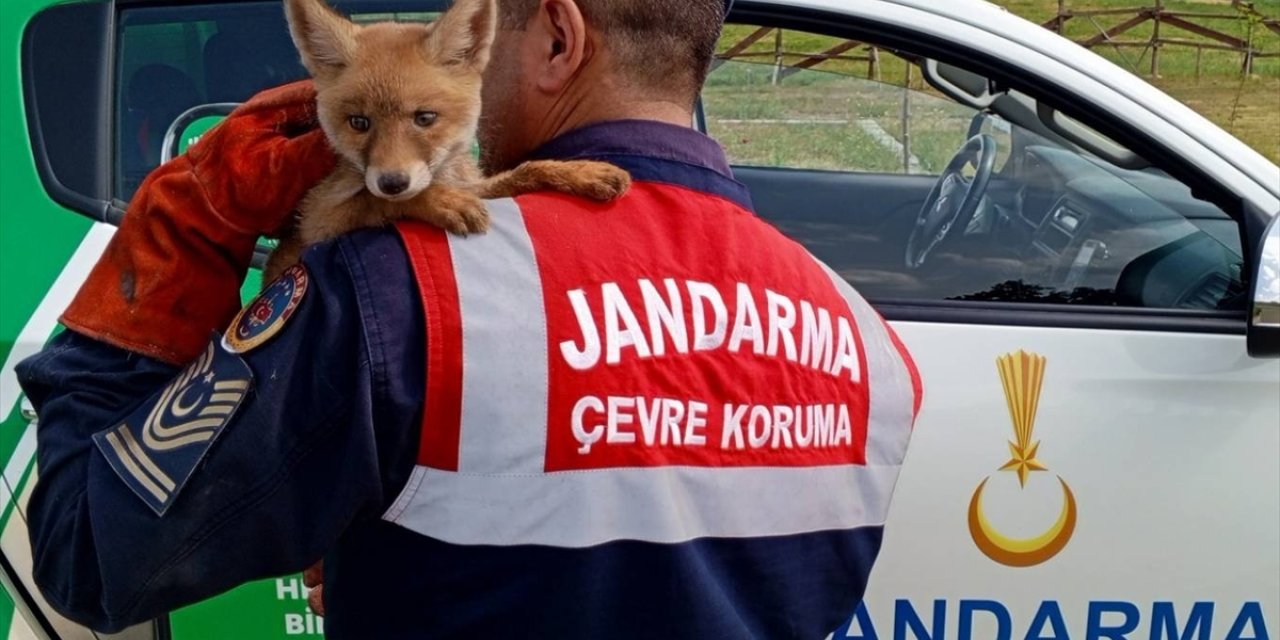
{"x": 1095, "y": 457}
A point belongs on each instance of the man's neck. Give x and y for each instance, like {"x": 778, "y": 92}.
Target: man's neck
{"x": 588, "y": 103}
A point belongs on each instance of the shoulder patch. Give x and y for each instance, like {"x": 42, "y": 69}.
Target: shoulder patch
{"x": 267, "y": 314}
{"x": 156, "y": 449}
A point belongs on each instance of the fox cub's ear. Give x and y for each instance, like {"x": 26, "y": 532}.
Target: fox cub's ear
{"x": 464, "y": 34}
{"x": 326, "y": 40}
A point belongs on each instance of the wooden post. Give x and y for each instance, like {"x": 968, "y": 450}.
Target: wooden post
{"x": 906, "y": 122}
{"x": 874, "y": 68}
{"x": 1199, "y": 59}
{"x": 1061, "y": 19}
{"x": 1155, "y": 40}
{"x": 777, "y": 57}
{"x": 1248, "y": 51}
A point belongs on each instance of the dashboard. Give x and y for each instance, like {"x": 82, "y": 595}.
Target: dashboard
{"x": 1095, "y": 234}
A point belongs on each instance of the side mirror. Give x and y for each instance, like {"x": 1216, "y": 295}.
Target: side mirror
{"x": 1264, "y": 316}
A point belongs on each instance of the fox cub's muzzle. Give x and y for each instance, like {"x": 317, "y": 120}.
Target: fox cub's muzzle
{"x": 399, "y": 183}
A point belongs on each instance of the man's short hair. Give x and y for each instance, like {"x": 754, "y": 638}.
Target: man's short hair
{"x": 666, "y": 45}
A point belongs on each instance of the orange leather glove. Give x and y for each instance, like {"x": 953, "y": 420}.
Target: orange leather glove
{"x": 172, "y": 273}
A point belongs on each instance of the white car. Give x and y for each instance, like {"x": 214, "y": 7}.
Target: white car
{"x": 1084, "y": 268}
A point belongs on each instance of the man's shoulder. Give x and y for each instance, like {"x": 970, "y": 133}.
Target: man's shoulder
{"x": 368, "y": 268}
{"x": 376, "y": 252}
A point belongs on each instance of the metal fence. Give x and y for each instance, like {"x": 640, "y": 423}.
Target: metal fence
{"x": 1169, "y": 29}
{"x": 786, "y": 62}
{"x": 1167, "y": 26}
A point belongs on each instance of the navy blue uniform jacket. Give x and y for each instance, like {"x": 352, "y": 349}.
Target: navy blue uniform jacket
{"x": 317, "y": 451}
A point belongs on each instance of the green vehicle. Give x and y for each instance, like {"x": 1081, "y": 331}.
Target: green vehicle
{"x": 1121, "y": 238}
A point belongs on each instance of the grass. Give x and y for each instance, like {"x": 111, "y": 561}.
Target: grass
{"x": 1251, "y": 113}
{"x": 1248, "y": 107}
{"x": 829, "y": 123}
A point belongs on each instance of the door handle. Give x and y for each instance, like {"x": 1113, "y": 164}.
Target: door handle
{"x": 27, "y": 411}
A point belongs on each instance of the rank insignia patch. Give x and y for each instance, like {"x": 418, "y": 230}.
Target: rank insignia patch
{"x": 156, "y": 449}
{"x": 267, "y": 314}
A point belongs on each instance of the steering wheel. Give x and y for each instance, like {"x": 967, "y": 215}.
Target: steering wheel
{"x": 954, "y": 199}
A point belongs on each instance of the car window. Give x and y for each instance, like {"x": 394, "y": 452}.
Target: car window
{"x": 805, "y": 101}
{"x": 849, "y": 150}
{"x": 842, "y": 143}
{"x": 171, "y": 59}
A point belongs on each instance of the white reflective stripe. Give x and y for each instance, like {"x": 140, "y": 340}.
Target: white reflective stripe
{"x": 663, "y": 504}
{"x": 892, "y": 396}
{"x": 504, "y": 347}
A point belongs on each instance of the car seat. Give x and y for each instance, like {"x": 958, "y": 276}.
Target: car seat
{"x": 155, "y": 96}
{"x": 247, "y": 56}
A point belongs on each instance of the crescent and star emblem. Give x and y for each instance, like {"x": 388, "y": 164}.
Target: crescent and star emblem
{"x": 1022, "y": 375}
{"x": 158, "y": 446}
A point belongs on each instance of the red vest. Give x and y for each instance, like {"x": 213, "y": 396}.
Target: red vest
{"x": 662, "y": 368}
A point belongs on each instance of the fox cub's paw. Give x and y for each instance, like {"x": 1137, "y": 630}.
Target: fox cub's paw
{"x": 457, "y": 211}
{"x": 584, "y": 178}
{"x": 595, "y": 180}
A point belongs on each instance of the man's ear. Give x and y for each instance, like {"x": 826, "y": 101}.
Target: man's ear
{"x": 564, "y": 43}
{"x": 326, "y": 40}
{"x": 464, "y": 34}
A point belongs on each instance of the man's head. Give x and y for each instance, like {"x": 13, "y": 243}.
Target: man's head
{"x": 559, "y": 64}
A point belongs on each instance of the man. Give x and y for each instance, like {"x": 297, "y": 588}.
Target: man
{"x": 655, "y": 418}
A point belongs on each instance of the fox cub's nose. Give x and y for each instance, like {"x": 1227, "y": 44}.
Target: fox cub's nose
{"x": 393, "y": 183}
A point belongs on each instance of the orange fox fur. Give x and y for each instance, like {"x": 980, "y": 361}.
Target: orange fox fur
{"x": 399, "y": 102}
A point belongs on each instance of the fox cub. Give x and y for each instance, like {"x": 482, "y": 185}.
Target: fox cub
{"x": 400, "y": 102}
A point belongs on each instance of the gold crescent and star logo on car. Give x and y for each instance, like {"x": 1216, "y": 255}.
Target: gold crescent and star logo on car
{"x": 1022, "y": 375}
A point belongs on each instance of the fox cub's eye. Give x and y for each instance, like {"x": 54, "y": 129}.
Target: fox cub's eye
{"x": 425, "y": 118}
{"x": 359, "y": 123}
